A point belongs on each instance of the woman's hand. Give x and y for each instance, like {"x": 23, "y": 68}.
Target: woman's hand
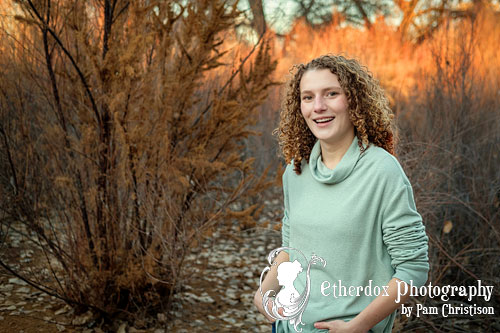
{"x": 339, "y": 326}
{"x": 270, "y": 283}
{"x": 381, "y": 307}
{"x": 258, "y": 303}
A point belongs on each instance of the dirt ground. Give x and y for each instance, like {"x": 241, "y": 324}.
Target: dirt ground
{"x": 217, "y": 298}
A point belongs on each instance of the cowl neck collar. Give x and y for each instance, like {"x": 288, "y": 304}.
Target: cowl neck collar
{"x": 344, "y": 168}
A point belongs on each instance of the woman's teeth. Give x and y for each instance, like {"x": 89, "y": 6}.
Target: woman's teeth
{"x": 324, "y": 120}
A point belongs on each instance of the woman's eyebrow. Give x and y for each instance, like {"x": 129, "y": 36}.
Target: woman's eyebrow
{"x": 327, "y": 88}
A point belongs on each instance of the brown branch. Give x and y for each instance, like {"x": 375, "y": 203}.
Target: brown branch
{"x": 363, "y": 13}
{"x": 62, "y": 120}
{"x": 233, "y": 75}
{"x": 72, "y": 60}
{"x": 121, "y": 11}
{"x": 438, "y": 245}
{"x": 9, "y": 157}
{"x": 48, "y": 63}
{"x": 47, "y": 290}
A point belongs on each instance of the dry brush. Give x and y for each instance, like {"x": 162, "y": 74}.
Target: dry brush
{"x": 118, "y": 155}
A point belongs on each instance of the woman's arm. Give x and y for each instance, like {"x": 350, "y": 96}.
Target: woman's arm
{"x": 270, "y": 283}
{"x": 404, "y": 236}
{"x": 378, "y": 309}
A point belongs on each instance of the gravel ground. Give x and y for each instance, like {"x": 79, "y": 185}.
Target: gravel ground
{"x": 224, "y": 275}
{"x": 225, "y": 288}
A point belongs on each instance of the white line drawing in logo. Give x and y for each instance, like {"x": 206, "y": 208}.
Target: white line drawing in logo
{"x": 288, "y": 298}
{"x": 287, "y": 273}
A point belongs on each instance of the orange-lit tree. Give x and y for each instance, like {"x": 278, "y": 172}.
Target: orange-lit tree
{"x": 117, "y": 151}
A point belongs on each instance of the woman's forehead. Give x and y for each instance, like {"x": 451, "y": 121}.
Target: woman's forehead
{"x": 318, "y": 79}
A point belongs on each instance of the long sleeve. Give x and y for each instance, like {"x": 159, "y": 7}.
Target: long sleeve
{"x": 405, "y": 238}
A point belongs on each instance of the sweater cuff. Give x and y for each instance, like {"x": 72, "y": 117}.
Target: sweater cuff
{"x": 417, "y": 276}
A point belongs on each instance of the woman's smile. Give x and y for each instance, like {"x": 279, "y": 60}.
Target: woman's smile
{"x": 323, "y": 122}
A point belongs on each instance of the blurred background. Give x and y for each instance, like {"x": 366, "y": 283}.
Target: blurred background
{"x": 140, "y": 183}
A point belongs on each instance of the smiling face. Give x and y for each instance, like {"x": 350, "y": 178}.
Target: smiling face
{"x": 324, "y": 106}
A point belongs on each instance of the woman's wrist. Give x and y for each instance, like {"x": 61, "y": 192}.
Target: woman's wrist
{"x": 358, "y": 325}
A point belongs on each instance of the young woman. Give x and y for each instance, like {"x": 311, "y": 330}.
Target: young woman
{"x": 347, "y": 200}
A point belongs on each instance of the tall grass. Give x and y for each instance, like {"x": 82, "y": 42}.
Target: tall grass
{"x": 450, "y": 137}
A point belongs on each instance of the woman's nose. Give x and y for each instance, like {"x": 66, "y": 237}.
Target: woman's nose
{"x": 319, "y": 104}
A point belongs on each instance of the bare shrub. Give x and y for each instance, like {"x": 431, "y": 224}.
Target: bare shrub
{"x": 117, "y": 154}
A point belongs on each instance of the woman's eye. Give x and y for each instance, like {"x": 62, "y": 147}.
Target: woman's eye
{"x": 306, "y": 98}
{"x": 332, "y": 93}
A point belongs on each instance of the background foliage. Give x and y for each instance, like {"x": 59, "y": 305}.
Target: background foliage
{"x": 127, "y": 133}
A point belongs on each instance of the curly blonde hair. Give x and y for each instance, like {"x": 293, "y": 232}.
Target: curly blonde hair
{"x": 369, "y": 109}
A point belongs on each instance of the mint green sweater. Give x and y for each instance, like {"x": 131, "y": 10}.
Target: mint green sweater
{"x": 361, "y": 218}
